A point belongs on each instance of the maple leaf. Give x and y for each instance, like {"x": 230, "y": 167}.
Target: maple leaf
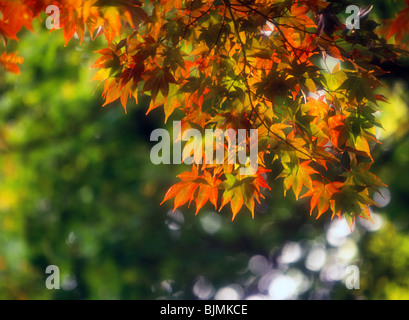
{"x": 338, "y": 130}
{"x": 245, "y": 191}
{"x": 206, "y": 192}
{"x": 205, "y": 185}
{"x": 400, "y": 25}
{"x": 296, "y": 176}
{"x": 158, "y": 79}
{"x": 321, "y": 195}
{"x": 182, "y": 192}
{"x": 352, "y": 201}
{"x": 112, "y": 90}
{"x": 237, "y": 193}
{"x": 10, "y": 62}
{"x": 15, "y": 15}
{"x": 72, "y": 24}
{"x": 361, "y": 176}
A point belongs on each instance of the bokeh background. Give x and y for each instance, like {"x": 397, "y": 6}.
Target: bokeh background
{"x": 78, "y": 190}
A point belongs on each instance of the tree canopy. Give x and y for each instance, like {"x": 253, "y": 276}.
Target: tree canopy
{"x": 245, "y": 65}
{"x": 78, "y": 189}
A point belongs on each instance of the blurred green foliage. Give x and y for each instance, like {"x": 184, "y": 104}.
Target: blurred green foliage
{"x": 78, "y": 190}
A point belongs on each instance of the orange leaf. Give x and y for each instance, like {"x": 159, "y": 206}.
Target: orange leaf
{"x": 182, "y": 192}
{"x": 10, "y": 62}
{"x": 321, "y": 195}
{"x": 337, "y": 130}
{"x": 206, "y": 193}
{"x": 112, "y": 91}
{"x": 236, "y": 203}
{"x": 297, "y": 176}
